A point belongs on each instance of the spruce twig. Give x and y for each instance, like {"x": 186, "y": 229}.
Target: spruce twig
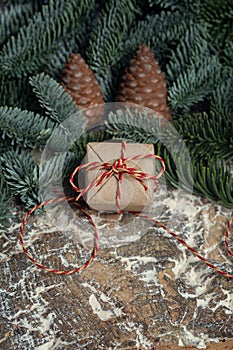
{"x": 24, "y": 127}
{"x": 57, "y": 103}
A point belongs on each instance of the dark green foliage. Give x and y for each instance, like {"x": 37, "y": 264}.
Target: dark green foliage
{"x": 197, "y": 82}
{"x": 105, "y": 47}
{"x": 46, "y": 33}
{"x": 218, "y": 16}
{"x": 192, "y": 149}
{"x": 24, "y": 127}
{"x": 207, "y": 136}
{"x": 57, "y": 103}
{"x": 227, "y": 57}
{"x": 133, "y": 125}
{"x": 106, "y": 44}
{"x": 5, "y": 202}
{"x": 191, "y": 40}
{"x": 12, "y": 18}
{"x": 222, "y": 102}
{"x": 158, "y": 31}
{"x": 21, "y": 176}
{"x": 187, "y": 6}
{"x": 79, "y": 147}
{"x": 194, "y": 44}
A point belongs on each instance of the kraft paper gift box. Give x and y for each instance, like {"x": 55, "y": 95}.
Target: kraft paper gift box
{"x": 133, "y": 195}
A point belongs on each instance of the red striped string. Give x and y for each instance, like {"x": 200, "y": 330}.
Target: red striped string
{"x": 35, "y": 262}
{"x": 118, "y": 167}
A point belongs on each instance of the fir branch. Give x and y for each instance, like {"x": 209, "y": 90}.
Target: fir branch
{"x": 209, "y": 179}
{"x": 17, "y": 93}
{"x": 132, "y": 125}
{"x": 20, "y": 174}
{"x": 207, "y": 136}
{"x": 193, "y": 85}
{"x": 222, "y": 103}
{"x": 108, "y": 83}
{"x": 214, "y": 180}
{"x": 12, "y": 18}
{"x": 105, "y": 46}
{"x": 50, "y": 174}
{"x": 159, "y": 32}
{"x": 79, "y": 147}
{"x": 5, "y": 202}
{"x": 181, "y": 5}
{"x": 189, "y": 148}
{"x": 58, "y": 104}
{"x": 218, "y": 16}
{"x": 24, "y": 127}
{"x": 36, "y": 3}
{"x": 5, "y": 207}
{"x": 28, "y": 51}
{"x": 195, "y": 42}
{"x": 227, "y": 58}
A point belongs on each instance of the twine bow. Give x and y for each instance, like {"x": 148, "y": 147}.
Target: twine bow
{"x": 117, "y": 168}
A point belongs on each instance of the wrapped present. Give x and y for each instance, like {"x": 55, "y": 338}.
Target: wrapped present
{"x": 125, "y": 189}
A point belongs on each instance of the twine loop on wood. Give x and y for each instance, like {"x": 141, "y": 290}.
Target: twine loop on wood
{"x": 118, "y": 167}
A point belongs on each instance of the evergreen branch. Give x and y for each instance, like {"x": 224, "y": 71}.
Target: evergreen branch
{"x": 105, "y": 46}
{"x": 158, "y": 32}
{"x": 28, "y": 51}
{"x": 108, "y": 83}
{"x": 51, "y": 174}
{"x": 195, "y": 83}
{"x": 5, "y": 202}
{"x": 55, "y": 65}
{"x": 24, "y": 127}
{"x": 218, "y": 16}
{"x": 133, "y": 125}
{"x": 12, "y": 18}
{"x": 207, "y": 136}
{"x": 222, "y": 103}
{"x": 36, "y": 3}
{"x": 214, "y": 181}
{"x": 5, "y": 207}
{"x": 188, "y": 147}
{"x": 179, "y": 167}
{"x": 58, "y": 104}
{"x": 227, "y": 58}
{"x": 181, "y": 5}
{"x": 79, "y": 147}
{"x": 211, "y": 179}
{"x": 11, "y": 91}
{"x": 195, "y": 42}
{"x": 21, "y": 176}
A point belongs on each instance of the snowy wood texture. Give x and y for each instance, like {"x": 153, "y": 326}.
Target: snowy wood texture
{"x": 143, "y": 291}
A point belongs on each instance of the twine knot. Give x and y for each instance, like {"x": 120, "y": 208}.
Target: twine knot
{"x": 118, "y": 167}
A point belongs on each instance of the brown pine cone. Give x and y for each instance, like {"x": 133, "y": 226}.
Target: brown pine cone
{"x": 144, "y": 83}
{"x": 79, "y": 81}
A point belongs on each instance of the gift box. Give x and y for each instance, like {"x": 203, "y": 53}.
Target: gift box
{"x": 133, "y": 196}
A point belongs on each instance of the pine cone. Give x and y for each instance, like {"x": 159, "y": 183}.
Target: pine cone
{"x": 143, "y": 83}
{"x": 79, "y": 81}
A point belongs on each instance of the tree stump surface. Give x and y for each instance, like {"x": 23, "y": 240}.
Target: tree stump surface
{"x": 143, "y": 291}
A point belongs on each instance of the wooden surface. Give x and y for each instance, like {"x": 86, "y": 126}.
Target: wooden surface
{"x": 144, "y": 290}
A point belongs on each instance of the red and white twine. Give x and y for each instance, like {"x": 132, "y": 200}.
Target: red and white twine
{"x": 119, "y": 167}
